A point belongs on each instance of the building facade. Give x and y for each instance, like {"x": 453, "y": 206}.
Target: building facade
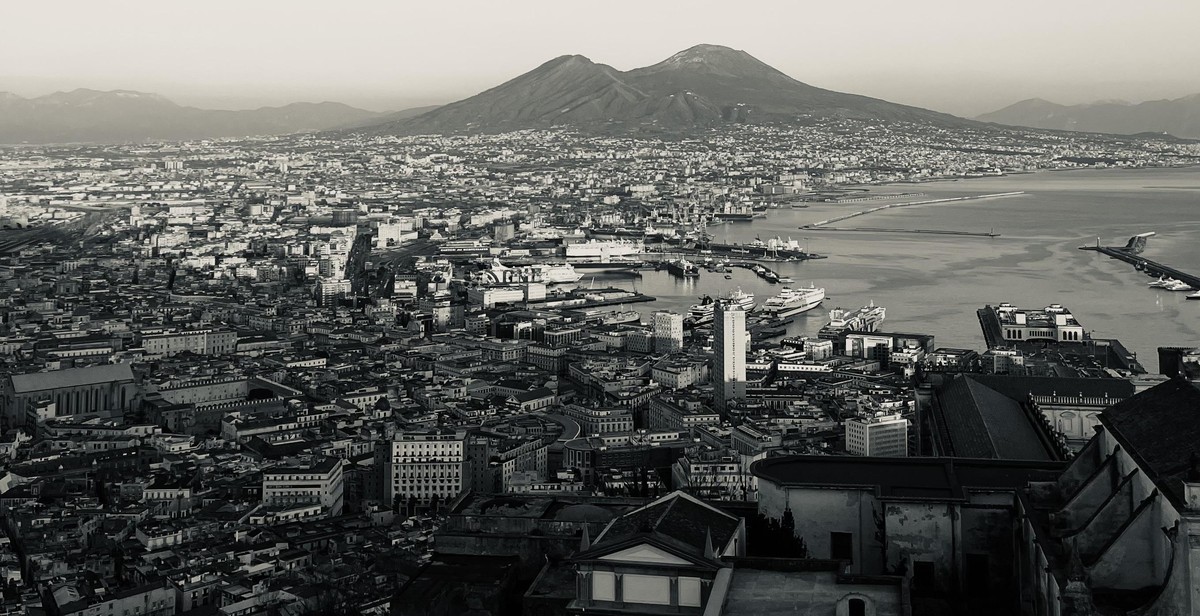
{"x": 320, "y": 483}
{"x": 880, "y": 435}
{"x": 423, "y": 465}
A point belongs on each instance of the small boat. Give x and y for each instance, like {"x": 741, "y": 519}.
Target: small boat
{"x": 728, "y": 277}
{"x": 786, "y": 280}
{"x": 1195, "y": 295}
{"x": 1162, "y": 282}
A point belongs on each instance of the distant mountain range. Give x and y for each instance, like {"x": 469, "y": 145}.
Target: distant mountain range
{"x": 1179, "y": 117}
{"x": 706, "y": 85}
{"x": 123, "y": 115}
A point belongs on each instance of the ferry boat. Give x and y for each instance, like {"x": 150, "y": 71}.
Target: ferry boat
{"x": 743, "y": 299}
{"x": 702, "y": 313}
{"x": 791, "y": 301}
{"x": 865, "y": 319}
{"x": 683, "y": 268}
{"x": 549, "y": 273}
{"x": 699, "y": 314}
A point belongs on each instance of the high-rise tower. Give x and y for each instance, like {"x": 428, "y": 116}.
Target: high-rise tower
{"x": 729, "y": 355}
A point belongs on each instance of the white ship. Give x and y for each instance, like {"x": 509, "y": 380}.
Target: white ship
{"x": 548, "y": 273}
{"x": 865, "y": 319}
{"x": 1178, "y": 285}
{"x": 743, "y": 299}
{"x": 791, "y": 302}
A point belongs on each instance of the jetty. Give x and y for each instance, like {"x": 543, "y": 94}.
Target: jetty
{"x": 891, "y": 230}
{"x": 891, "y": 206}
{"x": 1131, "y": 253}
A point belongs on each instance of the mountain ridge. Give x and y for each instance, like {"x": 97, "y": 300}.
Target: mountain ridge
{"x": 84, "y": 115}
{"x": 1179, "y": 117}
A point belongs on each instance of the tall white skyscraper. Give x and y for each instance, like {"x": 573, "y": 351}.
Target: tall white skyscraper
{"x": 729, "y": 354}
{"x": 668, "y": 331}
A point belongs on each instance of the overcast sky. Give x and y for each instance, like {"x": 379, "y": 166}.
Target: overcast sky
{"x": 949, "y": 55}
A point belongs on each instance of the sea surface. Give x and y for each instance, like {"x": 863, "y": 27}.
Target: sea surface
{"x": 934, "y": 283}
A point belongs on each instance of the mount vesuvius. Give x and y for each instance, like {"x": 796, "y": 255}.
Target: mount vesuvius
{"x": 706, "y": 85}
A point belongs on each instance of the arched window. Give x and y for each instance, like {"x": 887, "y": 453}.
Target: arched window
{"x": 855, "y": 604}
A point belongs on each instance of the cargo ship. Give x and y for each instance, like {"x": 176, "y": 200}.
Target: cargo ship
{"x": 619, "y": 318}
{"x": 865, "y": 319}
{"x": 791, "y": 302}
{"x": 683, "y": 268}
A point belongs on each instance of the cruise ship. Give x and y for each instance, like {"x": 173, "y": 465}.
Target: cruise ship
{"x": 865, "y": 319}
{"x": 549, "y": 273}
{"x": 791, "y": 302}
{"x": 702, "y": 313}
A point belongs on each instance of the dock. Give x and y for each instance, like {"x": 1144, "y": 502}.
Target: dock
{"x": 1131, "y": 254}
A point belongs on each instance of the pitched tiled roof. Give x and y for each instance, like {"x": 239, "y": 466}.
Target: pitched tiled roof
{"x": 71, "y": 377}
{"x": 1160, "y": 429}
{"x": 678, "y": 517}
{"x": 980, "y": 422}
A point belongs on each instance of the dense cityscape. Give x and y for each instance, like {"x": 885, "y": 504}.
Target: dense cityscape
{"x": 334, "y": 373}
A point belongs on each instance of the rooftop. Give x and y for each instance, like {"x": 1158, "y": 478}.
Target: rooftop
{"x": 1160, "y": 428}
{"x": 71, "y": 377}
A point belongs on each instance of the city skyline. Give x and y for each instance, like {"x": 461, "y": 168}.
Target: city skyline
{"x": 929, "y": 54}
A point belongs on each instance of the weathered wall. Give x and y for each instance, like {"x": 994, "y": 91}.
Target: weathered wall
{"x": 924, "y": 532}
{"x": 819, "y": 512}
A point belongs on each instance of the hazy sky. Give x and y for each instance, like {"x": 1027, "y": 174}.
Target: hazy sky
{"x": 950, "y": 55}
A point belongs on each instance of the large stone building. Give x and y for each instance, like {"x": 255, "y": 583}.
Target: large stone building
{"x": 108, "y": 389}
{"x": 423, "y": 465}
{"x": 295, "y": 485}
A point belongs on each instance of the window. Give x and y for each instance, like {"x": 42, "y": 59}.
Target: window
{"x": 977, "y": 574}
{"x": 923, "y": 576}
{"x": 841, "y": 546}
